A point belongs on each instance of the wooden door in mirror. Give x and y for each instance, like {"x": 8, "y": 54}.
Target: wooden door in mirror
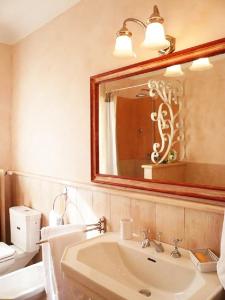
{"x": 159, "y": 125}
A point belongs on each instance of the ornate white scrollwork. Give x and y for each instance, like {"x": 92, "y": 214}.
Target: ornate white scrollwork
{"x": 169, "y": 122}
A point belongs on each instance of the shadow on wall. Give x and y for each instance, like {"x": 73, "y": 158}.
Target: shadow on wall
{"x": 78, "y": 212}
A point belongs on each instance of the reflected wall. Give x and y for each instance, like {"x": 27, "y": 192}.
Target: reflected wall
{"x": 196, "y": 152}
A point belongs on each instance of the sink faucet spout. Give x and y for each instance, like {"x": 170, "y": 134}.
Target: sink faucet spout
{"x": 147, "y": 242}
{"x": 158, "y": 246}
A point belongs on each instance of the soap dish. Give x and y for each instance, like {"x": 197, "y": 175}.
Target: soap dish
{"x": 204, "y": 259}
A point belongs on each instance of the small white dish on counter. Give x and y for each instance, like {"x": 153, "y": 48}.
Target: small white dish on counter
{"x": 116, "y": 269}
{"x": 210, "y": 263}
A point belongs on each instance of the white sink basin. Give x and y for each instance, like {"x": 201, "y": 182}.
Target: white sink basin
{"x": 121, "y": 269}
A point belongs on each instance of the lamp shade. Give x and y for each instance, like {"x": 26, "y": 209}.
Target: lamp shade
{"x": 155, "y": 37}
{"x": 173, "y": 71}
{"x": 123, "y": 46}
{"x": 201, "y": 64}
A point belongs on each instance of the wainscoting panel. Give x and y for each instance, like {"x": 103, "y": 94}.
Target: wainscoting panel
{"x": 120, "y": 207}
{"x": 143, "y": 215}
{"x": 170, "y": 221}
{"x": 203, "y": 229}
{"x": 199, "y": 225}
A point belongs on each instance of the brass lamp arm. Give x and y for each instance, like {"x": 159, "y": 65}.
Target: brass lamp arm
{"x": 142, "y": 24}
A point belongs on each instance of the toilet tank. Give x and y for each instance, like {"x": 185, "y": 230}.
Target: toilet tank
{"x": 25, "y": 227}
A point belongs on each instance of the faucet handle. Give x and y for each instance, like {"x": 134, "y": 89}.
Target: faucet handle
{"x": 176, "y": 242}
{"x": 158, "y": 235}
{"x": 176, "y": 253}
{"x": 145, "y": 233}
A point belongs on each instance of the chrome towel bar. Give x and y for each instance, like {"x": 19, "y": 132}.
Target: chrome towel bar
{"x": 100, "y": 226}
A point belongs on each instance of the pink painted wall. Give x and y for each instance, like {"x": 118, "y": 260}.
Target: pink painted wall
{"x": 52, "y": 66}
{"x": 5, "y": 105}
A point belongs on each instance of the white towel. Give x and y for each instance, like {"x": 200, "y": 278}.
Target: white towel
{"x": 59, "y": 238}
{"x": 221, "y": 262}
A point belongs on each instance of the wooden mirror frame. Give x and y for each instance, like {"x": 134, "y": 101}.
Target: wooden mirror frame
{"x": 178, "y": 189}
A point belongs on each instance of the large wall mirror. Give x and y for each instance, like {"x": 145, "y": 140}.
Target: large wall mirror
{"x": 160, "y": 125}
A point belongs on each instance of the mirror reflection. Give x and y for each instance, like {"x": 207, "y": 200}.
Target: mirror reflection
{"x": 166, "y": 125}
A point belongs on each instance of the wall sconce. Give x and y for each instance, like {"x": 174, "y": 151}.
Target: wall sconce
{"x": 201, "y": 64}
{"x": 155, "y": 37}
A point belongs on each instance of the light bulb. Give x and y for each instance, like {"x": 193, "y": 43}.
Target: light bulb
{"x": 123, "y": 46}
{"x": 201, "y": 64}
{"x": 173, "y": 71}
{"x": 155, "y": 37}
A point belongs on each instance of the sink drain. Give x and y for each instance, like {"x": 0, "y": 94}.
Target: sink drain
{"x": 145, "y": 292}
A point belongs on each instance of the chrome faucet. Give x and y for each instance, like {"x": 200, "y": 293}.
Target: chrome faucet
{"x": 176, "y": 253}
{"x": 158, "y": 245}
{"x": 146, "y": 242}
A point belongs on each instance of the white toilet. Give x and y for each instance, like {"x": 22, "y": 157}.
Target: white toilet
{"x": 26, "y": 283}
{"x": 21, "y": 283}
{"x": 25, "y": 233}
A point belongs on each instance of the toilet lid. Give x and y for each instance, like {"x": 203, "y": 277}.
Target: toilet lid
{"x": 6, "y": 252}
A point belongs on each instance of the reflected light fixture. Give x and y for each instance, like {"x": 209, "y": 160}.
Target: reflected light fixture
{"x": 173, "y": 71}
{"x": 201, "y": 64}
{"x": 155, "y": 37}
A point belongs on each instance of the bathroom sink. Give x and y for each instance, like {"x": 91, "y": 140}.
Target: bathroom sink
{"x": 123, "y": 270}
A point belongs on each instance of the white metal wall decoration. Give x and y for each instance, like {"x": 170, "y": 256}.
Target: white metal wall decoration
{"x": 169, "y": 121}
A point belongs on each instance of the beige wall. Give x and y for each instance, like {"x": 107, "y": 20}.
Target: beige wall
{"x": 51, "y": 67}
{"x": 5, "y": 136}
{"x": 51, "y": 115}
{"x": 5, "y": 105}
